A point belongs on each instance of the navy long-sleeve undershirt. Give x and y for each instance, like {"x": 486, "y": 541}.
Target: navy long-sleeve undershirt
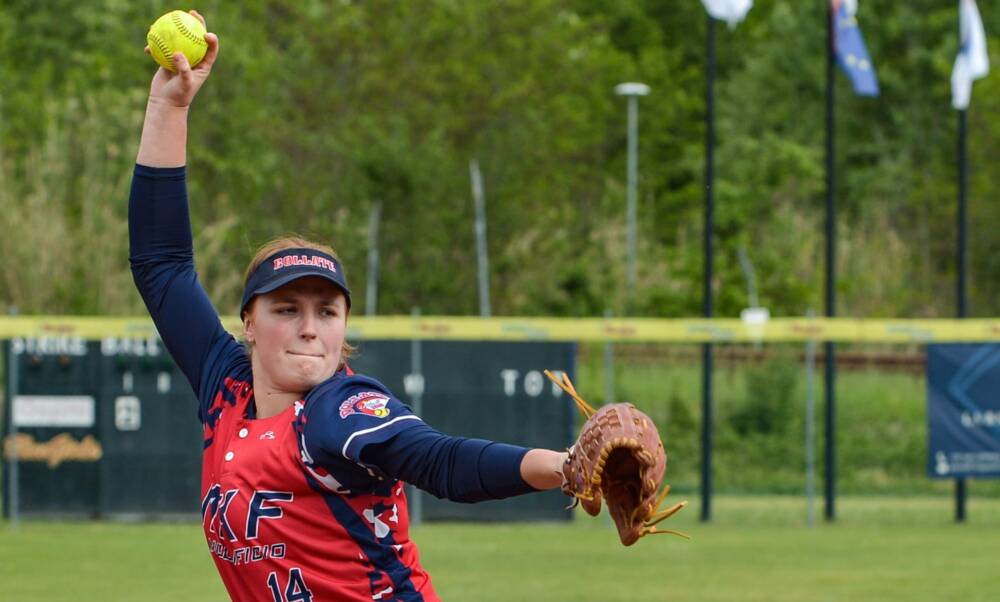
{"x": 462, "y": 470}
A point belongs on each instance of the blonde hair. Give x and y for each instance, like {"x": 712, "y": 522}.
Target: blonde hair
{"x": 280, "y": 244}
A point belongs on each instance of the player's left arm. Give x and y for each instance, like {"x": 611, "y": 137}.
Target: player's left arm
{"x": 462, "y": 469}
{"x": 359, "y": 427}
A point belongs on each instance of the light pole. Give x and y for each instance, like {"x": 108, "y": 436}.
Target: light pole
{"x": 482, "y": 260}
{"x": 371, "y": 292}
{"x": 632, "y": 91}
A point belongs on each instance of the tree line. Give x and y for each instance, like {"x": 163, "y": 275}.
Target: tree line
{"x": 317, "y": 110}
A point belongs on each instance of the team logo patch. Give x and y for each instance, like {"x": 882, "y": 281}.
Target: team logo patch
{"x": 371, "y": 403}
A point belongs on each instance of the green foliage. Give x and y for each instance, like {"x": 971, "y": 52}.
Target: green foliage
{"x": 679, "y": 424}
{"x": 318, "y": 110}
{"x": 769, "y": 406}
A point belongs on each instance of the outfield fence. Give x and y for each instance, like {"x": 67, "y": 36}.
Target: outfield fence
{"x": 767, "y": 384}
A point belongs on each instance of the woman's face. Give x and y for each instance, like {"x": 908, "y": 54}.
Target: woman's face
{"x": 297, "y": 333}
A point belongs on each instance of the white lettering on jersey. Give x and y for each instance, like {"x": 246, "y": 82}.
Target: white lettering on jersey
{"x": 381, "y": 529}
{"x": 326, "y": 480}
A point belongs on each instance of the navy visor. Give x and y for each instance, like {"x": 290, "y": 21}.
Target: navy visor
{"x": 291, "y": 264}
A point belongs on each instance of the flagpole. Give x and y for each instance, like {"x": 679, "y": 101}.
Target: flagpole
{"x": 706, "y": 349}
{"x": 963, "y": 174}
{"x": 831, "y": 231}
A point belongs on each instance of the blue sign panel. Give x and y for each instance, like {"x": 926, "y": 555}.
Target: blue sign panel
{"x": 963, "y": 411}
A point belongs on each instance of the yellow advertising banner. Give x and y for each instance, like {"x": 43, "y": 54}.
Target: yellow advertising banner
{"x": 645, "y": 330}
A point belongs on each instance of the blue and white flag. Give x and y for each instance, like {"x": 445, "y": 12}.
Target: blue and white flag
{"x": 972, "y": 61}
{"x": 730, "y": 11}
{"x": 850, "y": 48}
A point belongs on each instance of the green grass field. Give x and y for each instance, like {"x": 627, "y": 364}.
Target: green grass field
{"x": 899, "y": 545}
{"x": 756, "y": 549}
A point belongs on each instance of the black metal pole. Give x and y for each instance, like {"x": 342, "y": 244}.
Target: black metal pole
{"x": 706, "y": 350}
{"x": 963, "y": 175}
{"x": 831, "y": 278}
{"x": 963, "y": 179}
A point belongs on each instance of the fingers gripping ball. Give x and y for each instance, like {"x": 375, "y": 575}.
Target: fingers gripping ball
{"x": 618, "y": 458}
{"x": 176, "y": 31}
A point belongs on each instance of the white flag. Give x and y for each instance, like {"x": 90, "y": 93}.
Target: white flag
{"x": 730, "y": 11}
{"x": 972, "y": 61}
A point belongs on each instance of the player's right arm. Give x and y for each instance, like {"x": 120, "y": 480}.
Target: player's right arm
{"x": 160, "y": 241}
{"x": 164, "y": 130}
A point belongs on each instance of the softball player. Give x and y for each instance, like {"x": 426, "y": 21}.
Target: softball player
{"x": 302, "y": 495}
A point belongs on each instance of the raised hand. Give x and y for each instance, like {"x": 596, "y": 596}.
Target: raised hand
{"x": 179, "y": 89}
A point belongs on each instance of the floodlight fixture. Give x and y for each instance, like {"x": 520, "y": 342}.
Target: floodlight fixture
{"x": 632, "y": 89}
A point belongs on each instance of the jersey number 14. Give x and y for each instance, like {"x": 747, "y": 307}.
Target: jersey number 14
{"x": 295, "y": 591}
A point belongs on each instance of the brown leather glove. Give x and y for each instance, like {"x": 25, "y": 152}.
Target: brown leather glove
{"x": 618, "y": 457}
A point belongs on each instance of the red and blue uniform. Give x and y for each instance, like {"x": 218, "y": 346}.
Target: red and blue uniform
{"x": 306, "y": 505}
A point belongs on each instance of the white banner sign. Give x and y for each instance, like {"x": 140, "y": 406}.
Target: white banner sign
{"x": 54, "y": 410}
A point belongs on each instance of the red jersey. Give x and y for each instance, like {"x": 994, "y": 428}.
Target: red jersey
{"x": 283, "y": 526}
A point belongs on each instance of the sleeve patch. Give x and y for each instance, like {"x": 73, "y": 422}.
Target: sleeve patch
{"x": 371, "y": 403}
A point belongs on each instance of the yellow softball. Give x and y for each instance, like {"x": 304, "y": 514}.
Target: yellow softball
{"x": 173, "y": 32}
